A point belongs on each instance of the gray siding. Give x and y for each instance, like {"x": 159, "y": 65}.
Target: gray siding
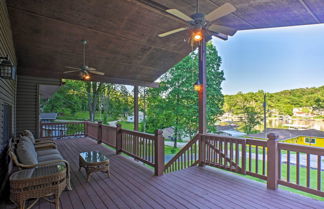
{"x": 7, "y": 89}
{"x": 28, "y": 102}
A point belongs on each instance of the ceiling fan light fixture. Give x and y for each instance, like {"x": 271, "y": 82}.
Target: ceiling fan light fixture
{"x": 197, "y": 35}
{"x": 86, "y": 76}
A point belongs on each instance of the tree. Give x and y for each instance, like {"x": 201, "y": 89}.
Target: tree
{"x": 250, "y": 119}
{"x": 93, "y": 91}
{"x": 175, "y": 103}
{"x": 68, "y": 99}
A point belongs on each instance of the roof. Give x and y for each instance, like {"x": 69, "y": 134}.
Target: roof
{"x": 287, "y": 133}
{"x": 48, "y": 116}
{"x": 122, "y": 35}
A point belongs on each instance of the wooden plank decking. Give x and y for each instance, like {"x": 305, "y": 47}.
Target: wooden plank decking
{"x": 132, "y": 185}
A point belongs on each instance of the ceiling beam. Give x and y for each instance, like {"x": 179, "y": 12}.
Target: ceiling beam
{"x": 97, "y": 78}
{"x": 106, "y": 79}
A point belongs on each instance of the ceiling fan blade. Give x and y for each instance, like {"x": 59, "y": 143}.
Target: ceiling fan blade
{"x": 91, "y": 69}
{"x": 222, "y": 29}
{"x": 221, "y": 11}
{"x": 171, "y": 32}
{"x": 97, "y": 72}
{"x": 179, "y": 14}
{"x": 71, "y": 71}
{"x": 75, "y": 68}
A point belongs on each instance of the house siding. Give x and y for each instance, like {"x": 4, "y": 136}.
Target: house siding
{"x": 7, "y": 90}
{"x": 28, "y": 102}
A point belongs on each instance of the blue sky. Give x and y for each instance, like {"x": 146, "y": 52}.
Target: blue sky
{"x": 273, "y": 59}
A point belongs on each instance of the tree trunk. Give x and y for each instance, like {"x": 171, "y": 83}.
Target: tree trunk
{"x": 93, "y": 90}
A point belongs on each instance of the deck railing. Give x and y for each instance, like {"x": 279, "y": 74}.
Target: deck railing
{"x": 144, "y": 147}
{"x": 108, "y": 135}
{"x": 224, "y": 152}
{"x": 301, "y": 167}
{"x": 92, "y": 130}
{"x": 188, "y": 156}
{"x": 256, "y": 158}
{"x": 139, "y": 145}
{"x": 296, "y": 166}
{"x": 61, "y": 129}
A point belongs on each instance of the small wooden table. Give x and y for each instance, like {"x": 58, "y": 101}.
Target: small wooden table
{"x": 93, "y": 161}
{"x": 40, "y": 182}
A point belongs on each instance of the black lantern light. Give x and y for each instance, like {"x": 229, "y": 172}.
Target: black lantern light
{"x": 7, "y": 69}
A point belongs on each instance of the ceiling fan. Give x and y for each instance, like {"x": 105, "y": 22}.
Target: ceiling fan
{"x": 199, "y": 23}
{"x": 84, "y": 69}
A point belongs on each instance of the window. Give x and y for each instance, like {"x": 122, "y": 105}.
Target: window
{"x": 310, "y": 140}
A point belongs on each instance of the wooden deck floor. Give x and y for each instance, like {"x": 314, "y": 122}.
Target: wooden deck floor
{"x": 132, "y": 185}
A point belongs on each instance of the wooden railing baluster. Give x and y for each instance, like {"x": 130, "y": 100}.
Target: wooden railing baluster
{"x": 288, "y": 166}
{"x": 319, "y": 182}
{"x": 308, "y": 170}
{"x": 297, "y": 168}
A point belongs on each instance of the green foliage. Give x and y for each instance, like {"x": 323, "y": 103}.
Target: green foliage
{"x": 75, "y": 99}
{"x": 281, "y": 102}
{"x": 251, "y": 119}
{"x": 175, "y": 103}
{"x": 69, "y": 99}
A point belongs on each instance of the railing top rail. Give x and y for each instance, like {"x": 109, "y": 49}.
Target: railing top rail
{"x": 108, "y": 126}
{"x": 139, "y": 134}
{"x": 225, "y": 137}
{"x": 301, "y": 148}
{"x": 257, "y": 142}
{"x": 56, "y": 123}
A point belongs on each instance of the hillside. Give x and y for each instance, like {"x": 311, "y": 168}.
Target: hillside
{"x": 283, "y": 102}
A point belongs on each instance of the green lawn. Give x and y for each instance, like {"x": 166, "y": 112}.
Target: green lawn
{"x": 302, "y": 178}
{"x": 170, "y": 150}
{"x": 129, "y": 125}
{"x": 79, "y": 116}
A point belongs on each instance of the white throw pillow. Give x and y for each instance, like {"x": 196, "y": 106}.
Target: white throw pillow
{"x": 26, "y": 152}
{"x": 29, "y": 134}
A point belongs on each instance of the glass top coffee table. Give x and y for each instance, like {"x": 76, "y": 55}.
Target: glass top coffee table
{"x": 94, "y": 161}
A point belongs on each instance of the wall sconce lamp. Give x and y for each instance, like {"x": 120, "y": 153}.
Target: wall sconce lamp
{"x": 7, "y": 69}
{"x": 198, "y": 86}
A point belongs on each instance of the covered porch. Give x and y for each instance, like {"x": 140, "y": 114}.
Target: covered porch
{"x": 125, "y": 46}
{"x": 132, "y": 185}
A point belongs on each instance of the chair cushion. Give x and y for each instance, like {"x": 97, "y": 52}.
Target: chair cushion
{"x": 49, "y": 157}
{"x": 26, "y": 152}
{"x": 47, "y": 152}
{"x": 29, "y": 134}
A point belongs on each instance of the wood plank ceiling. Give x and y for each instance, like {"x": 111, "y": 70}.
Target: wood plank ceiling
{"x": 122, "y": 34}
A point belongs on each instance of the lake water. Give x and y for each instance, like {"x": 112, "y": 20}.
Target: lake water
{"x": 317, "y": 124}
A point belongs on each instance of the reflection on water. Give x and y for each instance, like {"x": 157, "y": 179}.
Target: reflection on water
{"x": 317, "y": 124}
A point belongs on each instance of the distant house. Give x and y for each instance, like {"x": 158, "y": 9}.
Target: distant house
{"x": 140, "y": 117}
{"x": 300, "y": 112}
{"x": 47, "y": 117}
{"x": 168, "y": 133}
{"x": 310, "y": 137}
{"x": 51, "y": 130}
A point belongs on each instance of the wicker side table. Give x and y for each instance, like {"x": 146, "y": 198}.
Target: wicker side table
{"x": 93, "y": 161}
{"x": 40, "y": 182}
